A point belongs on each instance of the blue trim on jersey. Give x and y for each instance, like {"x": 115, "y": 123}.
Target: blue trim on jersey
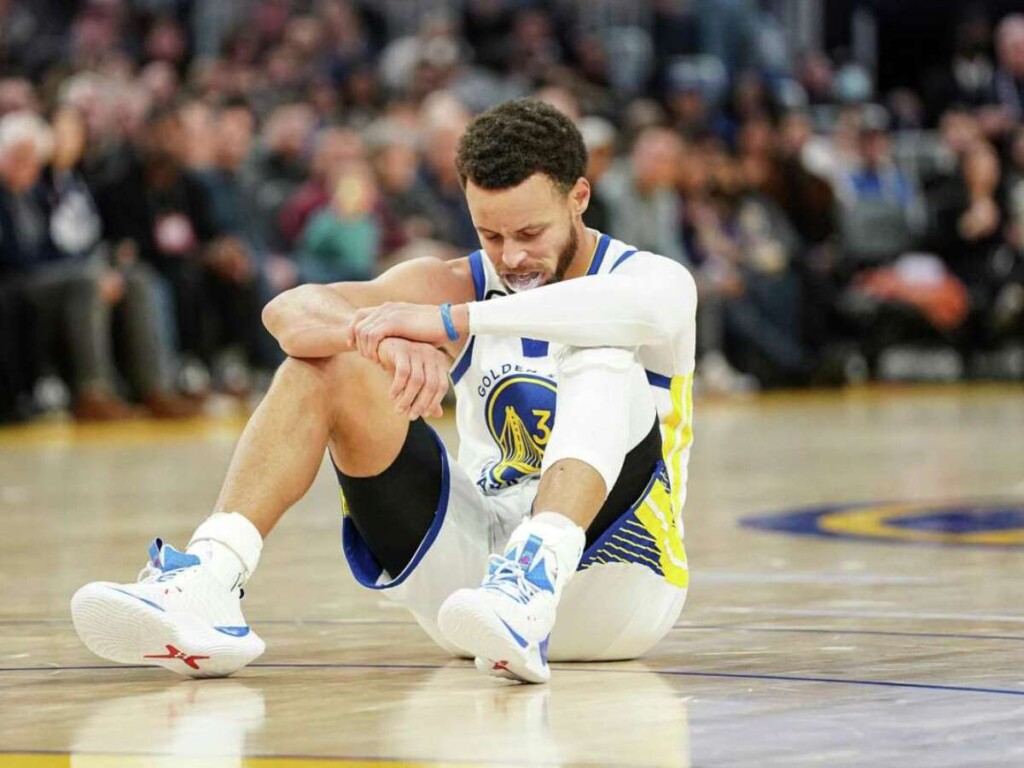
{"x": 364, "y": 565}
{"x": 464, "y": 360}
{"x": 602, "y": 246}
{"x": 476, "y": 266}
{"x": 534, "y": 348}
{"x": 657, "y": 380}
{"x": 621, "y": 259}
{"x": 140, "y": 599}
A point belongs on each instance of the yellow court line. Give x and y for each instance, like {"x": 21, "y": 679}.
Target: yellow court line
{"x": 48, "y": 434}
{"x": 30, "y": 760}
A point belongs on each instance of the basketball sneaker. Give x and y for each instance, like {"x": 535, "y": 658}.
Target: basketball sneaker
{"x": 177, "y": 615}
{"x": 506, "y": 623}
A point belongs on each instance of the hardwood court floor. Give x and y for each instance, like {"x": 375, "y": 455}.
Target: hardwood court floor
{"x": 793, "y": 650}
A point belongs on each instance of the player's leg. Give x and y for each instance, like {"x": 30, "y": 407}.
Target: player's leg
{"x": 189, "y": 601}
{"x": 605, "y": 409}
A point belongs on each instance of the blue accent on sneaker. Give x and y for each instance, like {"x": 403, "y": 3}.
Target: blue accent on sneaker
{"x": 233, "y": 631}
{"x": 538, "y": 576}
{"x": 174, "y": 560}
{"x": 515, "y": 635}
{"x": 154, "y": 551}
{"x": 167, "y": 558}
{"x": 528, "y": 552}
{"x": 140, "y": 599}
{"x": 544, "y": 649}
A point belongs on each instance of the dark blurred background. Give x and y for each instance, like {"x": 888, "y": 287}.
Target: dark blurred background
{"x": 845, "y": 179}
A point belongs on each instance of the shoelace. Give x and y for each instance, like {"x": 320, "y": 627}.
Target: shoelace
{"x": 152, "y": 573}
{"x": 509, "y": 578}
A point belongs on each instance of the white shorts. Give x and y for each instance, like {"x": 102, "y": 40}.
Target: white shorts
{"x": 627, "y": 593}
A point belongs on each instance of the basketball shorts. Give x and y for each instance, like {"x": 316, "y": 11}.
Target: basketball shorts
{"x": 627, "y": 593}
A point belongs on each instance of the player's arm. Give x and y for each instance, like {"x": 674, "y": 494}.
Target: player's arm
{"x": 313, "y": 320}
{"x": 648, "y": 300}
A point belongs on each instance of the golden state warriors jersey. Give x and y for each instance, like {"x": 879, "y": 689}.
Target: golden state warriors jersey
{"x": 506, "y": 390}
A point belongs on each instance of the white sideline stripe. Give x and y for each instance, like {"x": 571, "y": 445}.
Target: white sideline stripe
{"x": 911, "y": 615}
{"x": 751, "y": 577}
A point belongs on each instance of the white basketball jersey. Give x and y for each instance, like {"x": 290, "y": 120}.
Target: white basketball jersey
{"x": 507, "y": 388}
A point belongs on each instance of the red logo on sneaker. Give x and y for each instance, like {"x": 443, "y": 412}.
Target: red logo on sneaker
{"x": 174, "y": 653}
{"x": 502, "y": 665}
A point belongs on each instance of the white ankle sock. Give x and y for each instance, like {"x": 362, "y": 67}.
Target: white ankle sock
{"x": 554, "y": 519}
{"x": 229, "y": 544}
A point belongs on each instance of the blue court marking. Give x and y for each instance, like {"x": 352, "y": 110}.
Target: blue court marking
{"x": 879, "y": 632}
{"x": 590, "y": 670}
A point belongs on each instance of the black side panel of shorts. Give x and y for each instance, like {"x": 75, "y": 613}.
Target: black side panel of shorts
{"x": 637, "y": 469}
{"x": 393, "y": 510}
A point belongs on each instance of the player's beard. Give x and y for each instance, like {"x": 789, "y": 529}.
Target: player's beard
{"x": 566, "y": 255}
{"x": 562, "y": 264}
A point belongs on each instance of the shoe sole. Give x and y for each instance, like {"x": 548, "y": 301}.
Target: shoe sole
{"x": 120, "y": 627}
{"x": 479, "y": 631}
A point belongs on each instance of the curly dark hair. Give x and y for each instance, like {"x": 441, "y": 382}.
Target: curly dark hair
{"x": 507, "y": 144}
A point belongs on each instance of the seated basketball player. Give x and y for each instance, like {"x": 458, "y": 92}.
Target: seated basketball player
{"x": 572, "y": 358}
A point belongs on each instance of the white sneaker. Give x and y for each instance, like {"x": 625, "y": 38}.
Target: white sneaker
{"x": 178, "y": 615}
{"x": 506, "y": 623}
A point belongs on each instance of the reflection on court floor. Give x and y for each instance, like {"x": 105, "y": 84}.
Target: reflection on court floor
{"x": 854, "y": 600}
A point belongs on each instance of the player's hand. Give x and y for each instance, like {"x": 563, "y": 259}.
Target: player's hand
{"x": 420, "y": 376}
{"x": 414, "y": 322}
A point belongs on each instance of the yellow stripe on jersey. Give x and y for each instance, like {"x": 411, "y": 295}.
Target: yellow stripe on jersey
{"x": 658, "y": 516}
{"x": 661, "y": 513}
{"x": 678, "y": 431}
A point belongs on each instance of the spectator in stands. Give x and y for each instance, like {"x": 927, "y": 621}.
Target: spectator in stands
{"x": 746, "y": 250}
{"x": 443, "y": 119}
{"x": 342, "y": 240}
{"x": 407, "y": 211}
{"x": 333, "y": 148}
{"x": 1008, "y": 81}
{"x": 968, "y": 221}
{"x": 261, "y": 275}
{"x": 968, "y": 80}
{"x": 599, "y": 139}
{"x": 161, "y": 212}
{"x": 76, "y": 229}
{"x": 280, "y": 167}
{"x": 641, "y": 194}
{"x": 70, "y": 297}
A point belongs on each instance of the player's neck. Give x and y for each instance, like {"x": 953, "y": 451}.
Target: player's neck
{"x": 584, "y": 254}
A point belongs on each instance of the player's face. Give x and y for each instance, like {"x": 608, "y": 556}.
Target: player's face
{"x": 529, "y": 232}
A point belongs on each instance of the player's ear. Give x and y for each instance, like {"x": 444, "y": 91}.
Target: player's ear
{"x": 579, "y": 196}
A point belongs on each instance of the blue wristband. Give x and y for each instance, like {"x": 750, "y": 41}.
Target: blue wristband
{"x": 449, "y": 324}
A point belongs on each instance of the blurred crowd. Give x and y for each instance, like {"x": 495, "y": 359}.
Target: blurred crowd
{"x": 167, "y": 167}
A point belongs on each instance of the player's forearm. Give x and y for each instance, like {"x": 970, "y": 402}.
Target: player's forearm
{"x": 606, "y": 310}
{"x": 310, "y": 321}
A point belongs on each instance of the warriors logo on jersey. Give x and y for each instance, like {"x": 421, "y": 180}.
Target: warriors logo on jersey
{"x": 520, "y": 416}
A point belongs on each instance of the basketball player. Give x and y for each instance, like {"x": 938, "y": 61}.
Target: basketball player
{"x": 572, "y": 358}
